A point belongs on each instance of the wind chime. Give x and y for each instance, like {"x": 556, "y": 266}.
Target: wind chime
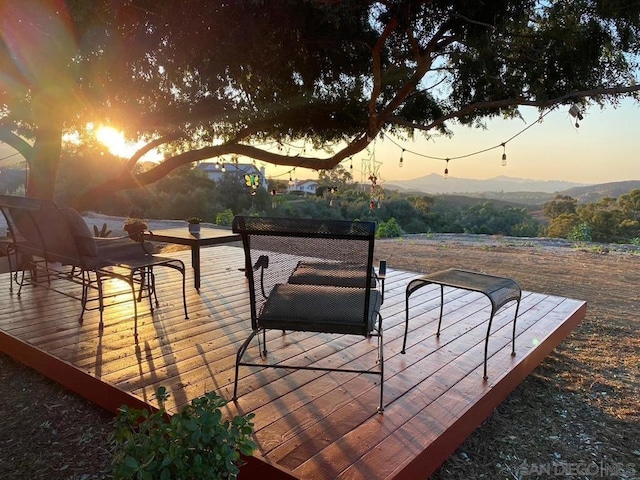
{"x": 252, "y": 180}
{"x": 374, "y": 183}
{"x": 371, "y": 168}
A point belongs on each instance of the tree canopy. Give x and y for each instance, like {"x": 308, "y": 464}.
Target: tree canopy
{"x": 298, "y": 83}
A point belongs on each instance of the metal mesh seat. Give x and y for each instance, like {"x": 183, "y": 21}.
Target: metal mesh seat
{"x": 311, "y": 276}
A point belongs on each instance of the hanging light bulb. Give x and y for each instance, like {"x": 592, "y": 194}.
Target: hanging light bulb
{"x": 224, "y": 169}
{"x": 446, "y": 170}
{"x": 504, "y": 155}
{"x": 290, "y": 180}
{"x": 351, "y": 165}
{"x": 574, "y": 111}
{"x": 217, "y": 163}
{"x": 401, "y": 159}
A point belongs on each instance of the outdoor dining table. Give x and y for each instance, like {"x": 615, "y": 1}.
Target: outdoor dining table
{"x": 181, "y": 236}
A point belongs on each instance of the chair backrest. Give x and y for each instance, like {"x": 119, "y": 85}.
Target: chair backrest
{"x": 40, "y": 228}
{"x": 325, "y": 264}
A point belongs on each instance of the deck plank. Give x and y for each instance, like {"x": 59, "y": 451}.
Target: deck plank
{"x": 308, "y": 424}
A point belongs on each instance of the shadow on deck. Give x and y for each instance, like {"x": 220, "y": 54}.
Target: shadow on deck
{"x": 308, "y": 424}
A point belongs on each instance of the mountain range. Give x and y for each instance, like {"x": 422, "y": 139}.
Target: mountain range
{"x": 510, "y": 189}
{"x": 437, "y": 184}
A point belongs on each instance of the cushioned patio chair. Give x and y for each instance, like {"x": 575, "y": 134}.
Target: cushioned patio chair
{"x": 56, "y": 244}
{"x": 311, "y": 276}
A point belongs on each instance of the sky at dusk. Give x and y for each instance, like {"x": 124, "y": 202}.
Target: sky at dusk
{"x": 605, "y": 148}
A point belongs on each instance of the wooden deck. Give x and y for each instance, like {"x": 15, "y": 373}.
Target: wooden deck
{"x": 310, "y": 425}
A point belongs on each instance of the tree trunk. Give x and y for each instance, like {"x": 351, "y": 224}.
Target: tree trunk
{"x": 43, "y": 167}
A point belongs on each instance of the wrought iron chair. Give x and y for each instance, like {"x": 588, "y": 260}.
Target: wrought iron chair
{"x": 311, "y": 276}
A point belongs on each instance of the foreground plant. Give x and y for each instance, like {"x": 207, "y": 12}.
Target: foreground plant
{"x": 193, "y": 444}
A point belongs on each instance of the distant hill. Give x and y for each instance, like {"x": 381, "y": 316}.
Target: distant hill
{"x": 509, "y": 190}
{"x": 437, "y": 184}
{"x": 593, "y": 193}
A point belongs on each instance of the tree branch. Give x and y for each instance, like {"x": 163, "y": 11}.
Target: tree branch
{"x": 17, "y": 143}
{"x": 127, "y": 180}
{"x": 131, "y": 163}
{"x": 513, "y": 102}
{"x": 377, "y": 74}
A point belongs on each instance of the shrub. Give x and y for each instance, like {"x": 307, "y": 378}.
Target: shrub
{"x": 225, "y": 218}
{"x": 194, "y": 444}
{"x": 388, "y": 229}
{"x": 580, "y": 233}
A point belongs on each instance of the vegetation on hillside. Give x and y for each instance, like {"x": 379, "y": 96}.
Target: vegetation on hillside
{"x": 188, "y": 192}
{"x": 608, "y": 220}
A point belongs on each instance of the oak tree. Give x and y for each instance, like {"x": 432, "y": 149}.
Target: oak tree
{"x": 298, "y": 83}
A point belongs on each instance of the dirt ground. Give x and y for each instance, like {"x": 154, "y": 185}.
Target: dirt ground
{"x": 577, "y": 416}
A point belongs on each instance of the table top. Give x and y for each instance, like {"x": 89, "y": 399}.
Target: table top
{"x": 182, "y": 236}
{"x": 500, "y": 290}
{"x": 454, "y": 277}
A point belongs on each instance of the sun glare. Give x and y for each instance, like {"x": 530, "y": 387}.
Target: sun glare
{"x": 117, "y": 144}
{"x": 113, "y": 139}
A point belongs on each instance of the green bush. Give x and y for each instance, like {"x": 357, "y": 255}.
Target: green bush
{"x": 194, "y": 444}
{"x": 225, "y": 218}
{"x": 388, "y": 229}
{"x": 580, "y": 233}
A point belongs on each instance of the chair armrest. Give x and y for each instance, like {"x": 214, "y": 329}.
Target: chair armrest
{"x": 381, "y": 275}
{"x": 382, "y": 270}
{"x": 261, "y": 263}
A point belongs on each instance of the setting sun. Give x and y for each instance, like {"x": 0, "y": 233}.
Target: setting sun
{"x": 114, "y": 140}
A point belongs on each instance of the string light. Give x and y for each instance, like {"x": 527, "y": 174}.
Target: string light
{"x": 290, "y": 179}
{"x": 401, "y": 159}
{"x": 446, "y": 170}
{"x": 504, "y": 155}
{"x": 351, "y": 165}
{"x": 573, "y": 111}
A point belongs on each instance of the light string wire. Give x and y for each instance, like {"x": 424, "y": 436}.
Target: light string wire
{"x": 9, "y": 156}
{"x": 447, "y": 159}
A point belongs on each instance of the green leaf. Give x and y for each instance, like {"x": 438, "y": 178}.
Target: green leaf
{"x": 131, "y": 462}
{"x": 190, "y": 425}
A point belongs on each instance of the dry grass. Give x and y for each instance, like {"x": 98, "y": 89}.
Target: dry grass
{"x": 579, "y": 412}
{"x": 576, "y": 415}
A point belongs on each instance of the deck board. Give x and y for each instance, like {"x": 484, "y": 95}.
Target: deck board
{"x": 308, "y": 424}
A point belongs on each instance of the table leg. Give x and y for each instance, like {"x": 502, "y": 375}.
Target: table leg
{"x": 195, "y": 264}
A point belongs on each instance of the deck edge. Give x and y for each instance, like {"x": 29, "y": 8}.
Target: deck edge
{"x": 429, "y": 460}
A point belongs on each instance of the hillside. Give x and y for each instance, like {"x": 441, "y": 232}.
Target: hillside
{"x": 525, "y": 198}
{"x": 436, "y": 184}
{"x": 593, "y": 193}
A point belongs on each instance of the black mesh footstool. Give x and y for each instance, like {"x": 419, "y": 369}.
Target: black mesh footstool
{"x": 498, "y": 290}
